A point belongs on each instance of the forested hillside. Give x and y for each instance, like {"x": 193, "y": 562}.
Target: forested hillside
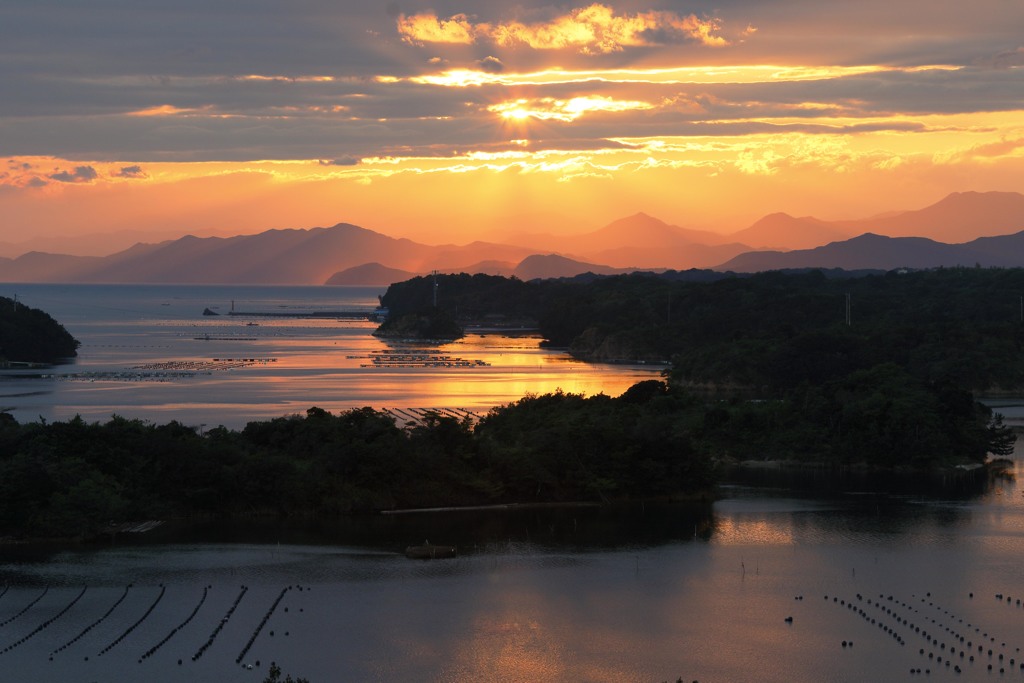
{"x": 770, "y": 332}
{"x": 30, "y": 335}
{"x": 766, "y": 367}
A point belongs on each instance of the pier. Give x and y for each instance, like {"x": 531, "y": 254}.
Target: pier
{"x": 366, "y": 314}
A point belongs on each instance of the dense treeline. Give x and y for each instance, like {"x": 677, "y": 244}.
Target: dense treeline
{"x": 70, "y": 479}
{"x": 785, "y": 333}
{"x": 466, "y": 296}
{"x": 30, "y": 335}
{"x": 771, "y": 332}
{"x": 878, "y": 368}
{"x": 461, "y": 299}
{"x": 780, "y": 373}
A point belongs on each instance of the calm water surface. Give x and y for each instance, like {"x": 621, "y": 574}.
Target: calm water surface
{"x": 646, "y": 593}
{"x": 149, "y": 352}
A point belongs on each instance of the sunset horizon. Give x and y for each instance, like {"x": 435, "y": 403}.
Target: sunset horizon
{"x": 541, "y": 341}
{"x": 444, "y": 123}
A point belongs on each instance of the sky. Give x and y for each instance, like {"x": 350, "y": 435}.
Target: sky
{"x": 451, "y": 121}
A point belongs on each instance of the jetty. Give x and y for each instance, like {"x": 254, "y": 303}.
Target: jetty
{"x": 377, "y": 313}
{"x": 366, "y": 314}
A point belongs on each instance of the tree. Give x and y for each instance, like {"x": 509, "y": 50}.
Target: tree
{"x": 274, "y": 676}
{"x": 1001, "y": 437}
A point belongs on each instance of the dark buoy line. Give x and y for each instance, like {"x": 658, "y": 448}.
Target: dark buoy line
{"x": 220, "y": 625}
{"x": 127, "y": 632}
{"x": 46, "y": 623}
{"x": 946, "y": 645}
{"x": 263, "y": 622}
{"x": 93, "y": 624}
{"x": 151, "y": 651}
{"x": 26, "y": 608}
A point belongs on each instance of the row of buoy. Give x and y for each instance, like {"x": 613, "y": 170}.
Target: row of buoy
{"x": 223, "y": 621}
{"x": 93, "y": 624}
{"x": 939, "y": 654}
{"x": 151, "y": 651}
{"x": 27, "y": 607}
{"x": 127, "y": 631}
{"x": 91, "y": 627}
{"x": 263, "y": 622}
{"x": 999, "y": 596}
{"x": 134, "y": 376}
{"x": 45, "y": 624}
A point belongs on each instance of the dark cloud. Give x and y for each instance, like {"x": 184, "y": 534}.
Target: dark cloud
{"x": 297, "y": 80}
{"x": 491, "y": 65}
{"x": 36, "y": 182}
{"x": 1005, "y": 59}
{"x": 130, "y": 172}
{"x": 81, "y": 174}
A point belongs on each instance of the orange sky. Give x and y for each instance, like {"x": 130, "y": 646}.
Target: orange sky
{"x": 448, "y": 122}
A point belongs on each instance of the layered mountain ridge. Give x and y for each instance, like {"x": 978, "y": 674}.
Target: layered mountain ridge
{"x": 349, "y": 254}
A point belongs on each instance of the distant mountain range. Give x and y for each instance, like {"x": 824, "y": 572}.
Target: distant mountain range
{"x": 348, "y": 254}
{"x": 870, "y": 251}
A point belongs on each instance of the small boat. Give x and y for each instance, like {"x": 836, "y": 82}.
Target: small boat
{"x": 429, "y": 551}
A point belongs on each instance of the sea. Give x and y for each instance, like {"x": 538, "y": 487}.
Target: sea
{"x": 149, "y": 352}
{"x": 785, "y": 576}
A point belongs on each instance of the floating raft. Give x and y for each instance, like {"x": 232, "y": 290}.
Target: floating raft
{"x": 429, "y": 551}
{"x": 205, "y": 365}
{"x": 125, "y": 376}
{"x": 388, "y": 359}
{"x": 133, "y": 527}
{"x": 416, "y": 417}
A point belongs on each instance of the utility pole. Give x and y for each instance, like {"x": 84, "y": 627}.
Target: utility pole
{"x": 434, "y": 273}
{"x": 847, "y": 309}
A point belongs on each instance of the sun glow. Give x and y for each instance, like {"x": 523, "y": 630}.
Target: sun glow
{"x": 163, "y": 110}
{"x": 548, "y": 108}
{"x": 683, "y": 75}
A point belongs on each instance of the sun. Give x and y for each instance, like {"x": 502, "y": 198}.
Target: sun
{"x": 517, "y": 111}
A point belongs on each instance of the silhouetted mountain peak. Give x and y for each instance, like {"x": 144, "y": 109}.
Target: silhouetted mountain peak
{"x": 782, "y": 230}
{"x": 543, "y": 266}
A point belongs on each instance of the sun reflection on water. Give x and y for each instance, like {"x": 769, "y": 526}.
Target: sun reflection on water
{"x": 741, "y": 531}
{"x": 139, "y": 359}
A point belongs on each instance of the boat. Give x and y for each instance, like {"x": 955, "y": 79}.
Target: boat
{"x": 429, "y": 551}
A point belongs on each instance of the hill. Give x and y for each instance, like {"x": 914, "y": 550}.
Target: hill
{"x": 959, "y": 216}
{"x": 637, "y": 242}
{"x": 871, "y": 251}
{"x": 369, "y": 274}
{"x": 782, "y": 231}
{"x": 555, "y": 266}
{"x": 29, "y": 335}
{"x": 290, "y": 256}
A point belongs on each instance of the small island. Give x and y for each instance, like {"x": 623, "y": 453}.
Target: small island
{"x": 28, "y": 336}
{"x": 428, "y": 323}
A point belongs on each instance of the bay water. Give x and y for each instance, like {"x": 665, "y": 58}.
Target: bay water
{"x": 783, "y": 578}
{"x": 148, "y": 352}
